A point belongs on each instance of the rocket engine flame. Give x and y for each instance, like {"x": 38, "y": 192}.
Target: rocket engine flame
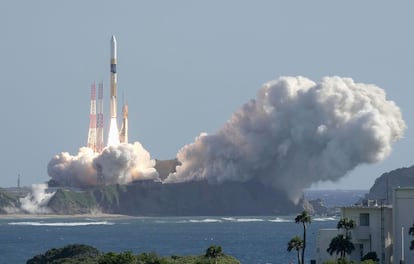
{"x": 113, "y": 134}
{"x": 296, "y": 133}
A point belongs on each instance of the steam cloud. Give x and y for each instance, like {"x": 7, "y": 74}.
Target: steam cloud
{"x": 295, "y": 133}
{"x": 121, "y": 163}
{"x": 36, "y": 201}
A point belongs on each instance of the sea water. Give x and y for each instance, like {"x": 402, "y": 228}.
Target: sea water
{"x": 255, "y": 240}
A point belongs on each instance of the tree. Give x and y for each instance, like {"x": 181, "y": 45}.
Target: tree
{"x": 213, "y": 252}
{"x": 304, "y": 218}
{"x": 296, "y": 243}
{"x": 72, "y": 251}
{"x": 346, "y": 224}
{"x": 341, "y": 245}
{"x": 372, "y": 255}
{"x": 411, "y": 232}
{"x": 341, "y": 261}
{"x": 114, "y": 258}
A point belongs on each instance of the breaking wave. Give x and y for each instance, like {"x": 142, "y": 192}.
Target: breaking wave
{"x": 280, "y": 220}
{"x": 324, "y": 219}
{"x": 61, "y": 224}
{"x": 208, "y": 220}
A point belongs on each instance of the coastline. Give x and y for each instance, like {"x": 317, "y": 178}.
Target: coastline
{"x": 60, "y": 216}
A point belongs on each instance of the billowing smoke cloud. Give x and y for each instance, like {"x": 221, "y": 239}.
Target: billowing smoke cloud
{"x": 121, "y": 163}
{"x": 36, "y": 201}
{"x": 295, "y": 133}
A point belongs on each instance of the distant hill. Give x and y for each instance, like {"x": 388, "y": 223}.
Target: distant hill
{"x": 384, "y": 185}
{"x": 8, "y": 202}
{"x": 151, "y": 198}
{"x": 179, "y": 199}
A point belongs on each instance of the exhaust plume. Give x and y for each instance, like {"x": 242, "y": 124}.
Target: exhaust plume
{"x": 36, "y": 201}
{"x": 120, "y": 163}
{"x": 296, "y": 133}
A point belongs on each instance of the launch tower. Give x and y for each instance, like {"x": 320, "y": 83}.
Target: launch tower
{"x": 123, "y": 133}
{"x": 100, "y": 121}
{"x": 95, "y": 135}
{"x": 92, "y": 120}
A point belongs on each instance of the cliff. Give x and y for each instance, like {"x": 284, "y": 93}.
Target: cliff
{"x": 8, "y": 202}
{"x": 180, "y": 199}
{"x": 384, "y": 185}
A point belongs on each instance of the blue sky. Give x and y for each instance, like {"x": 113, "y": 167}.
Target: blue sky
{"x": 184, "y": 68}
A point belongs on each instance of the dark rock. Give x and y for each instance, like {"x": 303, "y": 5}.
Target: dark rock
{"x": 384, "y": 185}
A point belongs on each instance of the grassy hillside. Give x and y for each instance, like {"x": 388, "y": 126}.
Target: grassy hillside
{"x": 7, "y": 200}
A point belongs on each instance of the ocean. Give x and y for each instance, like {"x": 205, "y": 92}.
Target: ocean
{"x": 255, "y": 240}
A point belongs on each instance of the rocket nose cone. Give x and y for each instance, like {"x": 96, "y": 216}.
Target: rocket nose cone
{"x": 113, "y": 47}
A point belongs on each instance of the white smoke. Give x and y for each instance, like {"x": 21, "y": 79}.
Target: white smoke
{"x": 36, "y": 201}
{"x": 295, "y": 133}
{"x": 121, "y": 163}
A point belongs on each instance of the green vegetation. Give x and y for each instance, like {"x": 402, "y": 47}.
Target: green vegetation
{"x": 109, "y": 193}
{"x": 214, "y": 252}
{"x": 84, "y": 199}
{"x": 341, "y": 244}
{"x": 75, "y": 253}
{"x": 411, "y": 232}
{"x": 304, "y": 218}
{"x": 346, "y": 224}
{"x": 7, "y": 200}
{"x": 345, "y": 261}
{"x": 370, "y": 256}
{"x": 84, "y": 254}
{"x": 296, "y": 243}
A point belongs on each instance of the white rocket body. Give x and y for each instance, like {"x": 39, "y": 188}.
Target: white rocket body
{"x": 113, "y": 77}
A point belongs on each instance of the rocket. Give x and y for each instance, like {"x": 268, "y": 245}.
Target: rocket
{"x": 113, "y": 77}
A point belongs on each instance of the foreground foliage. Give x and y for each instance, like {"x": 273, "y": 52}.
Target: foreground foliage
{"x": 84, "y": 254}
{"x": 296, "y": 243}
{"x": 345, "y": 261}
{"x": 342, "y": 244}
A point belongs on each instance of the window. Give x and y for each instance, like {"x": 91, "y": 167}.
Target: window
{"x": 364, "y": 219}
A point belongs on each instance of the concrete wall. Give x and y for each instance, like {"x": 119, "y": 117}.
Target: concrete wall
{"x": 403, "y": 217}
{"x": 322, "y": 243}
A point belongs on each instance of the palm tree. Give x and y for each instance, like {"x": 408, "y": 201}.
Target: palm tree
{"x": 295, "y": 243}
{"x": 347, "y": 224}
{"x": 411, "y": 232}
{"x": 305, "y": 219}
{"x": 341, "y": 245}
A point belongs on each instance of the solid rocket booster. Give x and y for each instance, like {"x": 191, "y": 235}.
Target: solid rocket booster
{"x": 113, "y": 77}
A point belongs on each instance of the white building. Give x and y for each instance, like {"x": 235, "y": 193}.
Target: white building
{"x": 403, "y": 218}
{"x": 379, "y": 228}
{"x": 373, "y": 233}
{"x": 323, "y": 239}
